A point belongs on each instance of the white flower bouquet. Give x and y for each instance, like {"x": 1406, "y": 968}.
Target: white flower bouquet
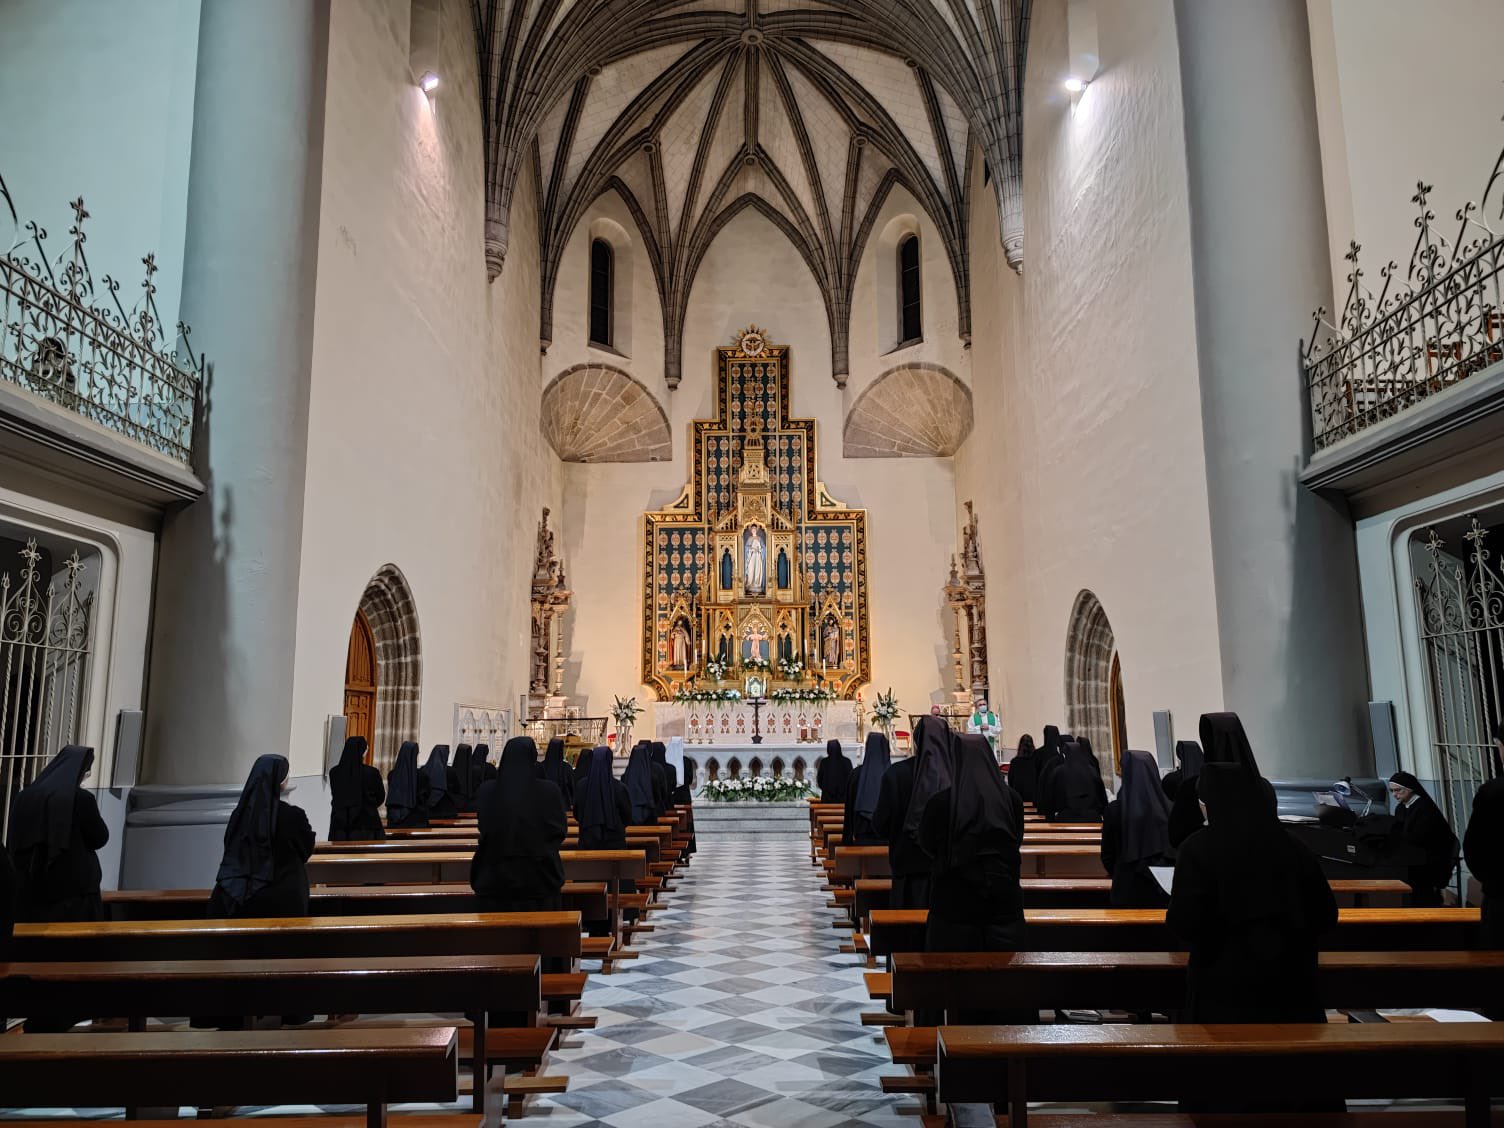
{"x": 756, "y": 789}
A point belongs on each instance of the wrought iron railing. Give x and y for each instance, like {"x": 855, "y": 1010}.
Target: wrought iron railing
{"x": 1427, "y": 331}
{"x": 65, "y": 342}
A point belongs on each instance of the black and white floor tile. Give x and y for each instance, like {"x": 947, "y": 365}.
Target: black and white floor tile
{"x": 740, "y": 1010}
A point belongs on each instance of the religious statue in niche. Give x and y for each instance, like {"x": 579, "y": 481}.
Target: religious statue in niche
{"x": 679, "y": 645}
{"x": 755, "y": 562}
{"x": 755, "y": 554}
{"x": 830, "y": 642}
{"x": 551, "y": 597}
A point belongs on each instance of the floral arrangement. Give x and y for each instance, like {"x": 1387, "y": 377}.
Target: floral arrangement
{"x": 791, "y": 668}
{"x": 819, "y": 695}
{"x": 715, "y": 669}
{"x": 702, "y": 696}
{"x": 758, "y": 789}
{"x": 885, "y": 711}
{"x": 624, "y": 713}
{"x": 754, "y": 665}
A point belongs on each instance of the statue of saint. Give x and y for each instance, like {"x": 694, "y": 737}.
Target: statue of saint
{"x": 755, "y": 568}
{"x": 830, "y": 643}
{"x": 678, "y": 646}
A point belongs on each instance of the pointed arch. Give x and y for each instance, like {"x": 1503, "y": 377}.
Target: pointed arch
{"x": 388, "y": 606}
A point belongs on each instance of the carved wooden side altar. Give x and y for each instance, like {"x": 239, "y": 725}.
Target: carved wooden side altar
{"x": 755, "y": 564}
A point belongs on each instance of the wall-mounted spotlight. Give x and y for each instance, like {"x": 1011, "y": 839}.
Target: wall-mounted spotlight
{"x": 429, "y": 82}
{"x": 1075, "y": 85}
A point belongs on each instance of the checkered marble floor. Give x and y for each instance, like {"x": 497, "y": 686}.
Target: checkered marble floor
{"x": 740, "y": 1010}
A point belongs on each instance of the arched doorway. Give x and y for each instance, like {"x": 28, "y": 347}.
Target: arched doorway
{"x": 392, "y": 617}
{"x": 360, "y": 681}
{"x": 1094, "y": 683}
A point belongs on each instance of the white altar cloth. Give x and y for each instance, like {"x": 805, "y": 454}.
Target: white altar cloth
{"x": 782, "y": 724}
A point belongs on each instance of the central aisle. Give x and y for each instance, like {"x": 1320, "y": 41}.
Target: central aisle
{"x": 739, "y": 1011}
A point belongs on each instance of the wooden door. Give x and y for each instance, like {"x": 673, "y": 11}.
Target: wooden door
{"x": 1118, "y": 714}
{"x": 360, "y": 683}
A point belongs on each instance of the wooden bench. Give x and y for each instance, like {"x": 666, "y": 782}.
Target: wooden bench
{"x": 1144, "y": 930}
{"x": 282, "y": 938}
{"x": 1011, "y": 1065}
{"x": 1155, "y": 981}
{"x": 588, "y": 898}
{"x": 433, "y": 867}
{"x": 136, "y": 989}
{"x": 373, "y": 1068}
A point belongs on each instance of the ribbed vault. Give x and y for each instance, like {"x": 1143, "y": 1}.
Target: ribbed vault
{"x": 809, "y": 110}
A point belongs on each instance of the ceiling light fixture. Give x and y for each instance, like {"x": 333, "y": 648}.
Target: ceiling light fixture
{"x": 1075, "y": 85}
{"x": 429, "y": 82}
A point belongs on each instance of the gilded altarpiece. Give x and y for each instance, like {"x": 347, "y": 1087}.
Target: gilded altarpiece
{"x": 755, "y": 560}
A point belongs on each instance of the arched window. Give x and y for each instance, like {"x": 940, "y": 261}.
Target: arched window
{"x": 602, "y": 264}
{"x": 909, "y": 328}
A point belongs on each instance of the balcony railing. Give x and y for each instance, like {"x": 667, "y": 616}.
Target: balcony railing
{"x": 66, "y": 342}
{"x": 1427, "y": 331}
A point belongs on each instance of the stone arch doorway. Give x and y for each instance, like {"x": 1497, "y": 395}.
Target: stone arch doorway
{"x": 1094, "y": 683}
{"x": 391, "y": 617}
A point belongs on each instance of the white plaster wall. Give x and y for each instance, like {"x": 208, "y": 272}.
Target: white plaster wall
{"x": 1406, "y": 90}
{"x": 97, "y": 102}
{"x": 638, "y": 337}
{"x": 1086, "y": 463}
{"x": 874, "y": 304}
{"x": 752, "y": 274}
{"x": 424, "y": 448}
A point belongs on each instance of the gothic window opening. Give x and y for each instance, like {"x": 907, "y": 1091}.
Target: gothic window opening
{"x": 910, "y": 329}
{"x": 602, "y": 279}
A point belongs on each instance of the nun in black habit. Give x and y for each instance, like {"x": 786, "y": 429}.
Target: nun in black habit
{"x": 7, "y": 902}
{"x": 465, "y": 786}
{"x": 1420, "y": 826}
{"x": 556, "y": 770}
{"x": 1075, "y": 790}
{"x": 638, "y": 779}
{"x": 971, "y": 826}
{"x": 1252, "y": 905}
{"x": 1188, "y": 761}
{"x": 1051, "y": 757}
{"x": 1136, "y": 835}
{"x": 863, "y": 792}
{"x": 582, "y": 766}
{"x": 665, "y": 777}
{"x": 268, "y": 842}
{"x": 442, "y": 785}
{"x": 55, "y": 833}
{"x": 1023, "y": 769}
{"x": 522, "y": 821}
{"x": 407, "y": 790}
{"x": 896, "y": 803}
{"x": 1223, "y": 741}
{"x": 355, "y": 796}
{"x": 602, "y": 806}
{"x": 482, "y": 771}
{"x": 834, "y": 774}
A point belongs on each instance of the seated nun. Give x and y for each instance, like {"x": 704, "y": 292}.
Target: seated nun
{"x": 833, "y": 776}
{"x": 7, "y": 901}
{"x": 1136, "y": 835}
{"x": 355, "y": 796}
{"x": 522, "y": 822}
{"x": 897, "y": 819}
{"x": 1188, "y": 760}
{"x": 1483, "y": 846}
{"x": 442, "y": 784}
{"x": 55, "y": 835}
{"x": 863, "y": 791}
{"x": 465, "y": 786}
{"x": 268, "y": 841}
{"x": 1252, "y": 905}
{"x": 1422, "y": 831}
{"x": 602, "y": 807}
{"x": 1223, "y": 741}
{"x": 556, "y": 770}
{"x": 639, "y": 781}
{"x": 407, "y": 790}
{"x": 1023, "y": 769}
{"x": 1076, "y": 790}
{"x": 1051, "y": 758}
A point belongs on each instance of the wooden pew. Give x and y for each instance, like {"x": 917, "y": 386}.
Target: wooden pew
{"x": 1011, "y": 1065}
{"x": 1144, "y": 930}
{"x": 320, "y": 1067}
{"x": 348, "y": 937}
{"x": 1155, "y": 981}
{"x": 473, "y": 985}
{"x": 588, "y": 898}
{"x": 434, "y": 867}
{"x": 1093, "y": 892}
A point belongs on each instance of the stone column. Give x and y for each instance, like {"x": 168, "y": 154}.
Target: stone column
{"x": 220, "y": 690}
{"x": 1283, "y": 558}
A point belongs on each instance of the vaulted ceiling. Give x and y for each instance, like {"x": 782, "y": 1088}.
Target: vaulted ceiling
{"x": 807, "y": 110}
